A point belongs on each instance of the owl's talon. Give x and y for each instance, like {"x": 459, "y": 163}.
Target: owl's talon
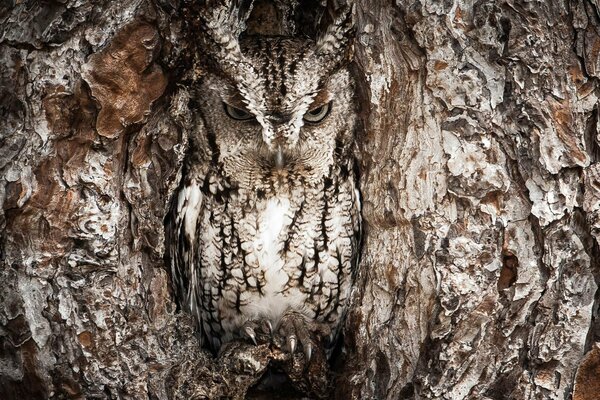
{"x": 308, "y": 351}
{"x": 249, "y": 331}
{"x": 291, "y": 341}
{"x": 256, "y": 330}
{"x": 295, "y": 329}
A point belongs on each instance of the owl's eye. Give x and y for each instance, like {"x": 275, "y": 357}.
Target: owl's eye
{"x": 237, "y": 113}
{"x": 318, "y": 114}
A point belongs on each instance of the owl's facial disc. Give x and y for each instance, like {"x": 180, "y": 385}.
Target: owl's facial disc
{"x": 284, "y": 120}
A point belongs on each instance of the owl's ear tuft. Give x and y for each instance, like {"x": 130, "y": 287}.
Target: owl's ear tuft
{"x": 335, "y": 43}
{"x": 220, "y": 23}
{"x": 223, "y": 16}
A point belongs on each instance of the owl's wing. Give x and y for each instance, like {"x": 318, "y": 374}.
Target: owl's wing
{"x": 183, "y": 232}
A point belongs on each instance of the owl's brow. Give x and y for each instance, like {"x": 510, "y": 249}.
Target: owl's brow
{"x": 235, "y": 99}
{"x": 320, "y": 99}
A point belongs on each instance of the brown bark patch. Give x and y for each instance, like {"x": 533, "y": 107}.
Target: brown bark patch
{"x": 124, "y": 79}
{"x": 508, "y": 273}
{"x": 587, "y": 384}
{"x": 68, "y": 112}
{"x": 562, "y": 116}
{"x": 440, "y": 65}
{"x": 43, "y": 211}
{"x": 43, "y": 222}
{"x": 141, "y": 153}
{"x": 85, "y": 338}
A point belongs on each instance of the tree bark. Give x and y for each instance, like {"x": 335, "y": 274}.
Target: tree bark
{"x": 481, "y": 199}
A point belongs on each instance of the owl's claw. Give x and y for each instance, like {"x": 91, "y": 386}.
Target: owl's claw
{"x": 257, "y": 331}
{"x": 291, "y": 341}
{"x": 249, "y": 331}
{"x": 308, "y": 351}
{"x": 294, "y": 329}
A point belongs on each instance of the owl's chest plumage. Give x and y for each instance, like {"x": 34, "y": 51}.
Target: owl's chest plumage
{"x": 263, "y": 252}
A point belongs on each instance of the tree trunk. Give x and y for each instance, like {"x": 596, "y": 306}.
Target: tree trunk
{"x": 481, "y": 200}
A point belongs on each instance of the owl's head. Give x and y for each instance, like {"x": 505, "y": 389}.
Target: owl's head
{"x": 277, "y": 106}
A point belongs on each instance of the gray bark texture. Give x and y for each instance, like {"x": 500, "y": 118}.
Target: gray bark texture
{"x": 480, "y": 176}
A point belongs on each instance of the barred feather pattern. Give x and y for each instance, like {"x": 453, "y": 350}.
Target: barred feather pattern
{"x": 251, "y": 255}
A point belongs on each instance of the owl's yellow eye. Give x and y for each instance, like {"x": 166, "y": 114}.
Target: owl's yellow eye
{"x": 318, "y": 114}
{"x": 237, "y": 113}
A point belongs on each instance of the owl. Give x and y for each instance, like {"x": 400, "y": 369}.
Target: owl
{"x": 265, "y": 228}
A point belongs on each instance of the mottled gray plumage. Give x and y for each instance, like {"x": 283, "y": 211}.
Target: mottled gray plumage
{"x": 267, "y": 220}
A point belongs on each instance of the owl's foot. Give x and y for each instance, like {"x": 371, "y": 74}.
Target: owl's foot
{"x": 257, "y": 331}
{"x": 308, "y": 372}
{"x": 295, "y": 329}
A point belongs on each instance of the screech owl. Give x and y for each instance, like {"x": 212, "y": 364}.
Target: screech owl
{"x": 265, "y": 227}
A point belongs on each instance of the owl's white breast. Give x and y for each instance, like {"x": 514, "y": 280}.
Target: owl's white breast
{"x": 271, "y": 223}
{"x": 272, "y": 226}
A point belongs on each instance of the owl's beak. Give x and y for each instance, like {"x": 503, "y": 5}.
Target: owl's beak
{"x": 279, "y": 158}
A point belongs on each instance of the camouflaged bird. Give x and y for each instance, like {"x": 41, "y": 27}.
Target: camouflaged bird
{"x": 265, "y": 227}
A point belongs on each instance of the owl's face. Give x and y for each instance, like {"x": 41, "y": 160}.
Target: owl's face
{"x": 285, "y": 119}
